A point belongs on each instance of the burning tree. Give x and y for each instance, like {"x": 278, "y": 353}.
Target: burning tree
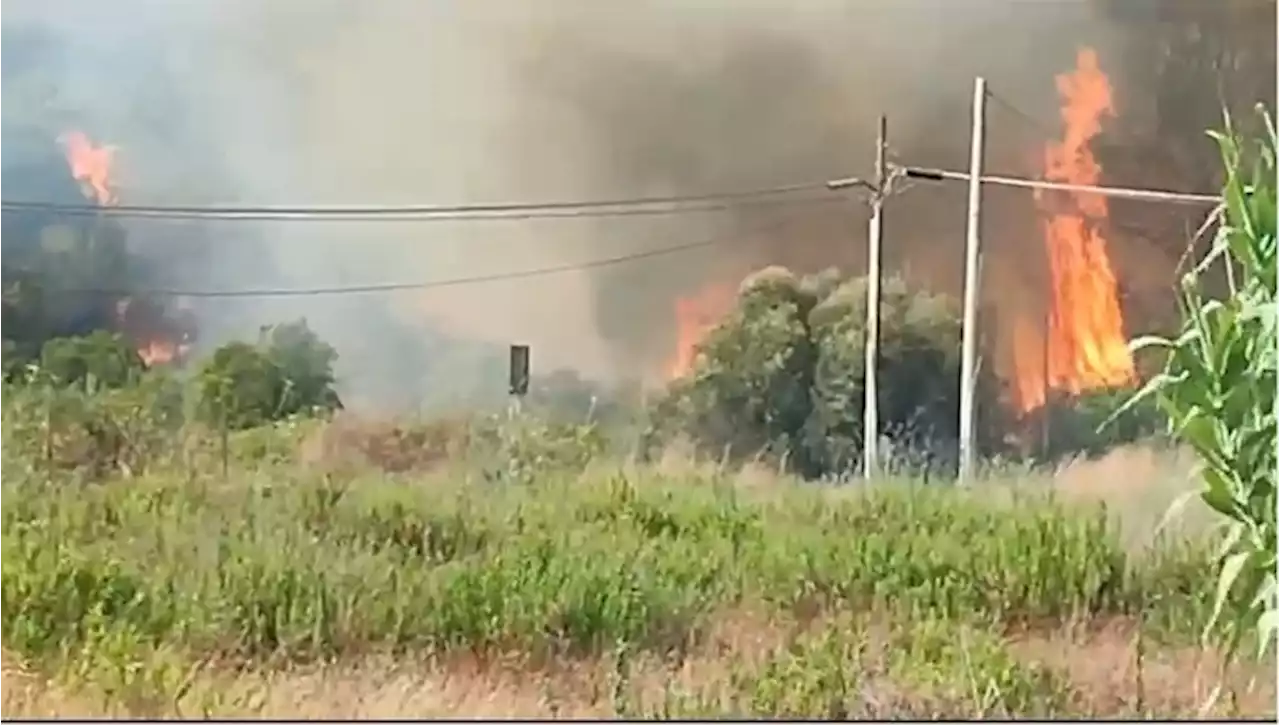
{"x": 1181, "y": 64}
{"x": 61, "y": 273}
{"x": 64, "y": 275}
{"x": 781, "y": 377}
{"x": 1084, "y": 347}
{"x": 1188, "y": 64}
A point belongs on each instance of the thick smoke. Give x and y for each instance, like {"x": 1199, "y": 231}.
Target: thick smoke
{"x": 406, "y": 101}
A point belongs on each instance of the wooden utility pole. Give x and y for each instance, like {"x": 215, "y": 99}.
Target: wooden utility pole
{"x": 972, "y": 264}
{"x": 871, "y": 348}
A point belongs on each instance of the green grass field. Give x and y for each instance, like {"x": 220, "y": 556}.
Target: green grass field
{"x": 287, "y": 588}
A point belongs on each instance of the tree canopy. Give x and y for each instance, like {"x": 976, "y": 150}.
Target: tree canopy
{"x": 289, "y": 371}
{"x": 782, "y": 377}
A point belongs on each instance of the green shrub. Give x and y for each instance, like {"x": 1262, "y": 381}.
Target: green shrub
{"x": 100, "y": 359}
{"x": 524, "y": 447}
{"x": 1092, "y": 423}
{"x": 290, "y": 371}
{"x": 749, "y": 392}
{"x": 853, "y": 669}
{"x": 240, "y": 387}
{"x": 281, "y": 562}
{"x": 93, "y": 430}
{"x": 782, "y": 377}
{"x": 306, "y": 364}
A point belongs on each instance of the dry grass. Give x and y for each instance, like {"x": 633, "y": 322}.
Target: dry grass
{"x": 349, "y": 443}
{"x": 1142, "y": 486}
{"x": 1105, "y": 674}
{"x": 1136, "y": 479}
{"x": 1117, "y": 673}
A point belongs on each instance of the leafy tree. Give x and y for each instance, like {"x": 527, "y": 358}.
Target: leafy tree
{"x": 288, "y": 372}
{"x": 239, "y": 387}
{"x": 54, "y": 266}
{"x": 782, "y": 376}
{"x": 749, "y": 391}
{"x": 305, "y": 364}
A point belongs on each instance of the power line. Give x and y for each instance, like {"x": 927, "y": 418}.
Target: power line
{"x": 1172, "y": 197}
{"x": 674, "y": 204}
{"x": 1050, "y": 132}
{"x": 1045, "y": 128}
{"x": 403, "y": 286}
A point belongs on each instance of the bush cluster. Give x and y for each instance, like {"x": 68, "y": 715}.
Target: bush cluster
{"x": 289, "y": 371}
{"x": 782, "y": 377}
{"x": 1090, "y": 424}
{"x": 90, "y": 404}
{"x": 99, "y": 359}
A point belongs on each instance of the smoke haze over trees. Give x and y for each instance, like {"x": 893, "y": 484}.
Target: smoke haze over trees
{"x": 401, "y": 101}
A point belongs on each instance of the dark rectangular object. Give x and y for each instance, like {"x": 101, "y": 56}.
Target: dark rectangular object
{"x": 519, "y": 371}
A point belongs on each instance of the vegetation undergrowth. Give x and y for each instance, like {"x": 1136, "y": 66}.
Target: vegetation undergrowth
{"x": 120, "y": 582}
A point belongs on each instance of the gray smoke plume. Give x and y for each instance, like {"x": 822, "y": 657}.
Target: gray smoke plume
{"x": 405, "y": 101}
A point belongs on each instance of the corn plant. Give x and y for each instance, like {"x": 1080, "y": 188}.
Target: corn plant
{"x": 1219, "y": 388}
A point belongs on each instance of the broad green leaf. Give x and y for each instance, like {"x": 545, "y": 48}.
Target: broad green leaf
{"x": 1174, "y": 511}
{"x": 1231, "y": 567}
{"x": 1146, "y": 342}
{"x": 1218, "y": 495}
{"x": 1267, "y": 627}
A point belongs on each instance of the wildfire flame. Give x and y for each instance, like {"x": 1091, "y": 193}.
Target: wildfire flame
{"x": 157, "y": 352}
{"x": 91, "y": 166}
{"x": 157, "y": 342}
{"x": 695, "y": 316}
{"x": 1085, "y": 348}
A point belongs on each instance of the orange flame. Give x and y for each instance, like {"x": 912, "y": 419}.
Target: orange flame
{"x": 695, "y": 317}
{"x": 158, "y": 341}
{"x": 157, "y": 352}
{"x": 1086, "y": 346}
{"x": 91, "y": 166}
